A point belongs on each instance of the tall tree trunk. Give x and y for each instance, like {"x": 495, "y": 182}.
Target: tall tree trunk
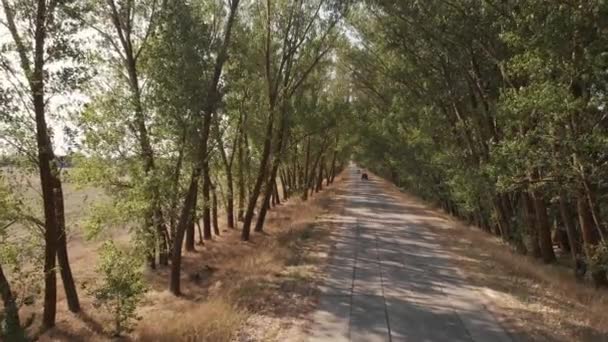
{"x": 530, "y": 221}
{"x": 306, "y": 163}
{"x": 207, "y": 202}
{"x": 319, "y": 186}
{"x": 46, "y": 158}
{"x": 273, "y": 199}
{"x": 228, "y": 162}
{"x": 186, "y": 216}
{"x": 503, "y": 220}
{"x": 190, "y": 230}
{"x": 276, "y": 193}
{"x": 200, "y": 233}
{"x": 285, "y": 186}
{"x": 175, "y": 186}
{"x": 271, "y": 181}
{"x": 543, "y": 228}
{"x": 310, "y": 183}
{"x": 241, "y": 180}
{"x": 590, "y": 237}
{"x": 567, "y": 216}
{"x": 71, "y": 294}
{"x": 12, "y": 329}
{"x": 216, "y": 226}
{"x": 230, "y": 200}
{"x": 262, "y": 175}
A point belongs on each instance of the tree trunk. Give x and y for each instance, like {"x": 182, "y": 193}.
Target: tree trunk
{"x": 271, "y": 181}
{"x": 207, "y": 202}
{"x": 543, "y": 228}
{"x": 71, "y": 294}
{"x": 567, "y": 216}
{"x": 503, "y": 221}
{"x": 285, "y": 186}
{"x": 305, "y": 178}
{"x": 276, "y": 193}
{"x": 228, "y": 162}
{"x": 241, "y": 177}
{"x": 173, "y": 217}
{"x": 186, "y": 216}
{"x": 161, "y": 237}
{"x": 319, "y": 186}
{"x": 262, "y": 175}
{"x": 200, "y": 233}
{"x": 46, "y": 158}
{"x": 216, "y": 226}
{"x": 259, "y": 226}
{"x": 190, "y": 230}
{"x": 12, "y": 329}
{"x": 590, "y": 237}
{"x": 531, "y": 225}
{"x": 230, "y": 200}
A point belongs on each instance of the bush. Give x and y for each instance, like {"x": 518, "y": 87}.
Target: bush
{"x": 122, "y": 286}
{"x": 599, "y": 257}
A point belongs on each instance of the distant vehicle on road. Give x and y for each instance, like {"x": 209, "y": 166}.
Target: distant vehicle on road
{"x": 364, "y": 176}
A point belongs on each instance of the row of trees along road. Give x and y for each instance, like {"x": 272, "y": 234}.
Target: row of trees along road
{"x": 173, "y": 109}
{"x": 495, "y": 110}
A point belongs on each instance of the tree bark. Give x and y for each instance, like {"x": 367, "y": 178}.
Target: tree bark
{"x": 530, "y": 221}
{"x": 241, "y": 181}
{"x": 305, "y": 178}
{"x": 543, "y": 228}
{"x": 262, "y": 175}
{"x": 185, "y": 219}
{"x": 207, "y": 202}
{"x": 67, "y": 278}
{"x": 276, "y": 193}
{"x": 271, "y": 180}
{"x": 12, "y": 325}
{"x": 319, "y": 186}
{"x": 567, "y": 216}
{"x": 216, "y": 226}
{"x": 285, "y": 186}
{"x": 190, "y": 231}
{"x": 590, "y": 237}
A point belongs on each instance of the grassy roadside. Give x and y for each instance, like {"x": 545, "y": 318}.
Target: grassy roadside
{"x": 533, "y": 301}
{"x": 261, "y": 290}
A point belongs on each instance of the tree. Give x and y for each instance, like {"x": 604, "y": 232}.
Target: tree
{"x": 122, "y": 286}
{"x": 48, "y": 23}
{"x": 202, "y": 154}
{"x": 483, "y": 110}
{"x": 291, "y": 53}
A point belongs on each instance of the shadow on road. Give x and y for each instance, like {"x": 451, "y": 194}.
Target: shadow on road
{"x": 389, "y": 279}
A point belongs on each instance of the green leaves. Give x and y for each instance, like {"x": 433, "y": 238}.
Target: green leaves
{"x": 122, "y": 285}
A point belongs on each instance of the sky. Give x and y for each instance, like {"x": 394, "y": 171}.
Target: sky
{"x": 59, "y": 106}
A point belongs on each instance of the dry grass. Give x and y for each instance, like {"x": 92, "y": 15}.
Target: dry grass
{"x": 534, "y": 301}
{"x": 232, "y": 290}
{"x": 214, "y": 320}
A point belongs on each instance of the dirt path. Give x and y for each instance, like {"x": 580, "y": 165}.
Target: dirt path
{"x": 389, "y": 280}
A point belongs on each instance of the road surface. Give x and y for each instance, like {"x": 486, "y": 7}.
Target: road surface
{"x": 388, "y": 280}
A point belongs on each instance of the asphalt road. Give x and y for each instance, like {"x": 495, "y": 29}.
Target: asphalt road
{"x": 389, "y": 280}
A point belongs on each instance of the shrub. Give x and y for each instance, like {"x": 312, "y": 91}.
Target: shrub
{"x": 122, "y": 287}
